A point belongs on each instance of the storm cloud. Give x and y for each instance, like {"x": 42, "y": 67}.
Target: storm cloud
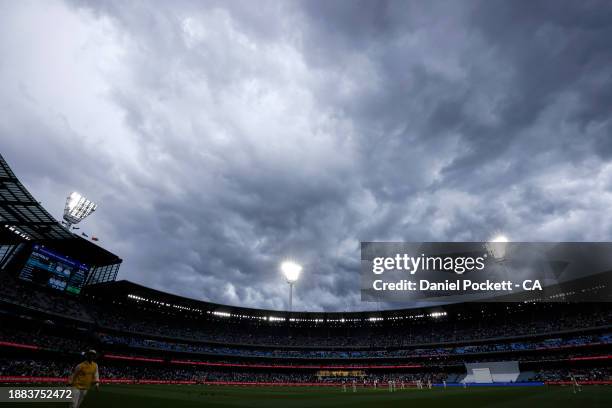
{"x": 220, "y": 138}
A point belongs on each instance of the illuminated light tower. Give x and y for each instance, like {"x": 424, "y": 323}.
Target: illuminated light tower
{"x": 77, "y": 208}
{"x": 292, "y": 271}
{"x": 497, "y": 247}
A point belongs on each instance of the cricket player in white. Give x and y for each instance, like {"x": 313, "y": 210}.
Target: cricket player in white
{"x": 575, "y": 385}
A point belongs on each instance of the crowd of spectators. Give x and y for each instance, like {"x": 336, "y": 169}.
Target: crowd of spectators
{"x": 551, "y": 343}
{"x": 402, "y": 335}
{"x": 472, "y": 326}
{"x": 63, "y": 369}
{"x": 73, "y": 342}
{"x": 34, "y": 368}
{"x": 14, "y": 291}
{"x": 38, "y": 337}
{"x": 564, "y": 374}
{"x": 57, "y": 369}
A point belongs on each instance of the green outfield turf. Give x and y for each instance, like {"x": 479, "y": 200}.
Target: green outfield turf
{"x": 180, "y": 396}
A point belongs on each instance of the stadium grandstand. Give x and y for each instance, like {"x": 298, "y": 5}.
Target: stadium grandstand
{"x": 60, "y": 296}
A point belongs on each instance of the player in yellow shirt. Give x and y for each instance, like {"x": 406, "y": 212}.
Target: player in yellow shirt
{"x": 83, "y": 376}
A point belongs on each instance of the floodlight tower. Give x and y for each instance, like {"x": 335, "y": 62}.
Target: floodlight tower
{"x": 497, "y": 247}
{"x": 77, "y": 208}
{"x": 292, "y": 271}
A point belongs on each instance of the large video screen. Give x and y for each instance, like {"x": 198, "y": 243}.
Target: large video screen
{"x": 48, "y": 268}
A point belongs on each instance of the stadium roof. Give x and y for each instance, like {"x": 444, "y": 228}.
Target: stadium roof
{"x": 124, "y": 290}
{"x": 128, "y": 292}
{"x": 18, "y": 209}
{"x": 23, "y": 219}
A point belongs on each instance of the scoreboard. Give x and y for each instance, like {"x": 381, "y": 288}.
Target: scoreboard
{"x": 48, "y": 268}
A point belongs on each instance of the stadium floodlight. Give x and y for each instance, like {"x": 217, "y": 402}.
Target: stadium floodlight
{"x": 497, "y": 247}
{"x": 292, "y": 272}
{"x": 77, "y": 208}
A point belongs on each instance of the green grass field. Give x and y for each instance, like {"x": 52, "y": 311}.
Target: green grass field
{"x": 183, "y": 396}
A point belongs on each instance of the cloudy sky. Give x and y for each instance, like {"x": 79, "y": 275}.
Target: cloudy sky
{"x": 222, "y": 137}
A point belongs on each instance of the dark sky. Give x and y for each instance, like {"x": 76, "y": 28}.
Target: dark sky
{"x": 220, "y": 138}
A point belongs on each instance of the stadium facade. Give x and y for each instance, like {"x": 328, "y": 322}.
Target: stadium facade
{"x": 60, "y": 297}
